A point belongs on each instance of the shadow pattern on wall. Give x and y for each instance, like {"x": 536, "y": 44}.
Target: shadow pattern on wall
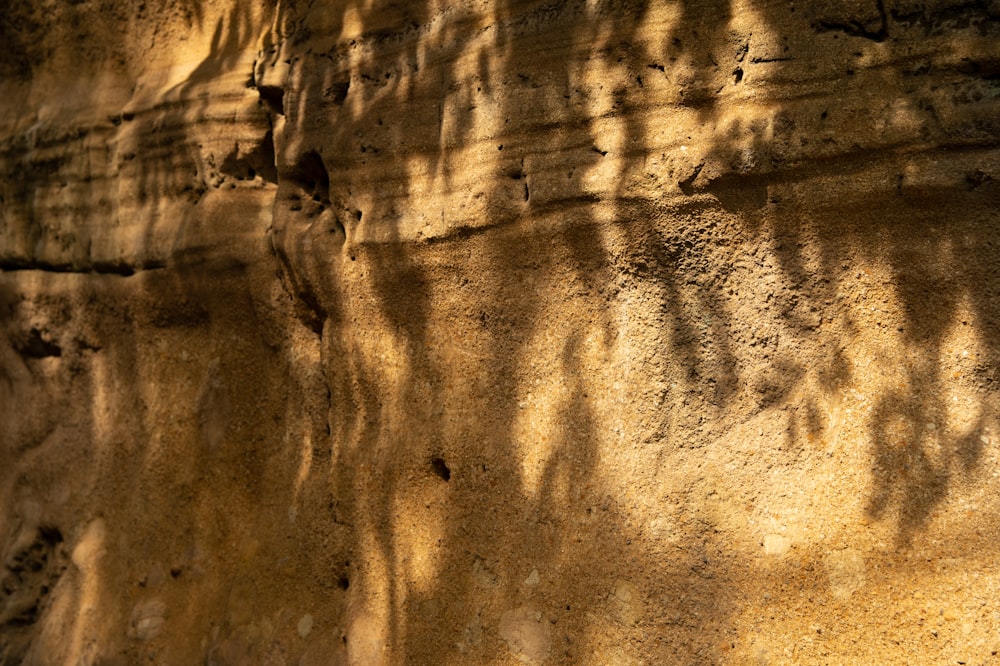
{"x": 557, "y": 267}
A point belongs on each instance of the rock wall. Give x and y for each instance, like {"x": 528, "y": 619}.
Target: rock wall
{"x": 499, "y": 331}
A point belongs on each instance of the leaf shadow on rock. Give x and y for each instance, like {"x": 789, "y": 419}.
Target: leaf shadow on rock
{"x": 536, "y": 476}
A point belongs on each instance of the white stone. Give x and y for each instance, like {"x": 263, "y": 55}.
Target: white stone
{"x": 305, "y": 625}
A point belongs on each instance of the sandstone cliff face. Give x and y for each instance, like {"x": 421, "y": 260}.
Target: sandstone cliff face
{"x": 499, "y": 332}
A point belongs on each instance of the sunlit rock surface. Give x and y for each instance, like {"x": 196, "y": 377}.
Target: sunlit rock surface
{"x": 499, "y": 332}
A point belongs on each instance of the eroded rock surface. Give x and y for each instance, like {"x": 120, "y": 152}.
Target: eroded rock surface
{"x": 499, "y": 332}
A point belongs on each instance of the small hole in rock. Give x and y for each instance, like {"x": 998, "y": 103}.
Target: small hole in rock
{"x": 439, "y": 468}
{"x": 343, "y": 582}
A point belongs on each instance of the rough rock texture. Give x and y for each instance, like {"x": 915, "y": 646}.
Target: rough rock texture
{"x": 499, "y": 331}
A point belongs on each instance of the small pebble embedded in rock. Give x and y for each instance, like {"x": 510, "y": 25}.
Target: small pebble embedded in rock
{"x": 305, "y": 625}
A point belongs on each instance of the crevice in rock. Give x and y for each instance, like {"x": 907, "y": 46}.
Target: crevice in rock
{"x": 440, "y": 468}
{"x": 311, "y": 175}
{"x": 858, "y": 27}
{"x": 34, "y": 345}
{"x": 124, "y": 269}
{"x": 29, "y": 577}
{"x": 273, "y": 98}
